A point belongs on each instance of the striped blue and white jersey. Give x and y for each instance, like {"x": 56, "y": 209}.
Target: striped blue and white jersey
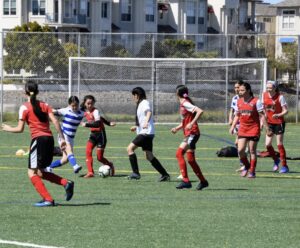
{"x": 234, "y": 103}
{"x": 71, "y": 120}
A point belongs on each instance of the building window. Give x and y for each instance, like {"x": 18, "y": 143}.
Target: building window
{"x": 126, "y": 8}
{"x": 38, "y": 7}
{"x": 288, "y": 19}
{"x": 9, "y": 7}
{"x": 104, "y": 10}
{"x": 149, "y": 10}
{"x": 267, "y": 19}
{"x": 191, "y": 12}
{"x": 201, "y": 12}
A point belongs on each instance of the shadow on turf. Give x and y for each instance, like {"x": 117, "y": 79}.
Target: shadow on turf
{"x": 82, "y": 204}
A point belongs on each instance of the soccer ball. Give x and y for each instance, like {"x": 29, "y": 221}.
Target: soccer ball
{"x": 104, "y": 171}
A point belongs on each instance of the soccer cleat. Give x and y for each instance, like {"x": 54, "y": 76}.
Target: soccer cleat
{"x": 276, "y": 165}
{"x": 44, "y": 203}
{"x": 180, "y": 177}
{"x": 244, "y": 173}
{"x": 77, "y": 168}
{"x": 184, "y": 185}
{"x": 164, "y": 178}
{"x": 202, "y": 185}
{"x": 251, "y": 175}
{"x": 134, "y": 176}
{"x": 241, "y": 168}
{"x": 284, "y": 169}
{"x": 69, "y": 188}
{"x": 88, "y": 175}
{"x": 48, "y": 169}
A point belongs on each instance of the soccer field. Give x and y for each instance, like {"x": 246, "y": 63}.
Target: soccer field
{"x": 116, "y": 212}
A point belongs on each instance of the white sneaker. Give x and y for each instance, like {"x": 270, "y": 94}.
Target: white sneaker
{"x": 48, "y": 169}
{"x": 77, "y": 168}
{"x": 180, "y": 177}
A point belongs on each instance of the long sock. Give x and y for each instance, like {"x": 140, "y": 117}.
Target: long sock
{"x": 182, "y": 165}
{"x": 53, "y": 178}
{"x": 253, "y": 165}
{"x": 101, "y": 158}
{"x": 196, "y": 168}
{"x": 72, "y": 160}
{"x": 271, "y": 151}
{"x": 89, "y": 157}
{"x": 158, "y": 166}
{"x": 56, "y": 163}
{"x": 41, "y": 188}
{"x": 282, "y": 155}
{"x": 245, "y": 162}
{"x": 134, "y": 163}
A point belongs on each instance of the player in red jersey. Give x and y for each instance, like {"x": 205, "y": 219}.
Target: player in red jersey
{"x": 97, "y": 137}
{"x": 275, "y": 108}
{"x": 249, "y": 113}
{"x": 189, "y": 115}
{"x": 37, "y": 114}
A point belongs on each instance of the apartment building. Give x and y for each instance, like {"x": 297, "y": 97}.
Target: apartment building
{"x": 287, "y": 30}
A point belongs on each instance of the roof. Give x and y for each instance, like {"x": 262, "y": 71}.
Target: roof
{"x": 288, "y": 3}
{"x": 265, "y": 9}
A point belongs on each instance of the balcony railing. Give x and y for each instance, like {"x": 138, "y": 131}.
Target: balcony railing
{"x": 53, "y": 18}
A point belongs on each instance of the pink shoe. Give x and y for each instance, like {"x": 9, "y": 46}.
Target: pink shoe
{"x": 251, "y": 175}
{"x": 244, "y": 173}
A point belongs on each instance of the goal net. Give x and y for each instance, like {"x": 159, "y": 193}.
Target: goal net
{"x": 210, "y": 82}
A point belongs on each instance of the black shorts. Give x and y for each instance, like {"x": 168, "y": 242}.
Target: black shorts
{"x": 251, "y": 138}
{"x": 98, "y": 139}
{"x": 277, "y": 128}
{"x": 191, "y": 140}
{"x": 145, "y": 141}
{"x": 41, "y": 152}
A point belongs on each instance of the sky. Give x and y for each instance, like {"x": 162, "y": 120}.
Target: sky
{"x": 272, "y": 1}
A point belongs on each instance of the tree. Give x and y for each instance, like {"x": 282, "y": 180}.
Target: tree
{"x": 35, "y": 50}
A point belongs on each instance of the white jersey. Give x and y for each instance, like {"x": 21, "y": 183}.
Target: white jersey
{"x": 234, "y": 103}
{"x": 71, "y": 120}
{"x": 143, "y": 109}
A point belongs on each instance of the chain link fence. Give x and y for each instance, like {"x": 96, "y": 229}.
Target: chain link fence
{"x": 44, "y": 57}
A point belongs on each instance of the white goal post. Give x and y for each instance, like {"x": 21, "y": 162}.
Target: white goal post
{"x": 210, "y": 81}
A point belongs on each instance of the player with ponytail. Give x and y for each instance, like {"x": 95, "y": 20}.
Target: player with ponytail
{"x": 37, "y": 115}
{"x": 190, "y": 114}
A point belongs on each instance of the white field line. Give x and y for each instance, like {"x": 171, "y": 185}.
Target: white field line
{"x": 26, "y": 244}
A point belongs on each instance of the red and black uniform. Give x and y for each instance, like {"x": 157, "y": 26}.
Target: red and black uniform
{"x": 97, "y": 138}
{"x": 191, "y": 136}
{"x": 248, "y": 113}
{"x": 41, "y": 148}
{"x": 274, "y": 105}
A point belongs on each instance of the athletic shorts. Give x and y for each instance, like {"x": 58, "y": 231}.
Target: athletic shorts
{"x": 145, "y": 141}
{"x": 251, "y": 138}
{"x": 98, "y": 139}
{"x": 68, "y": 139}
{"x": 191, "y": 140}
{"x": 277, "y": 128}
{"x": 41, "y": 152}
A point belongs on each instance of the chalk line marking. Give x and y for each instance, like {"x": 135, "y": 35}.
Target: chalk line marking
{"x": 26, "y": 244}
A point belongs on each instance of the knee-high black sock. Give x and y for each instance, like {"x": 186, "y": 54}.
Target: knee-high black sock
{"x": 134, "y": 163}
{"x": 157, "y": 165}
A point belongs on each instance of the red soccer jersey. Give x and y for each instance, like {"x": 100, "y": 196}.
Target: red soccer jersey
{"x": 36, "y": 127}
{"x": 92, "y": 117}
{"x": 248, "y": 113}
{"x": 273, "y": 105}
{"x": 187, "y": 115}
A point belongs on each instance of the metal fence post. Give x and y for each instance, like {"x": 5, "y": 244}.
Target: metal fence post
{"x": 298, "y": 79}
